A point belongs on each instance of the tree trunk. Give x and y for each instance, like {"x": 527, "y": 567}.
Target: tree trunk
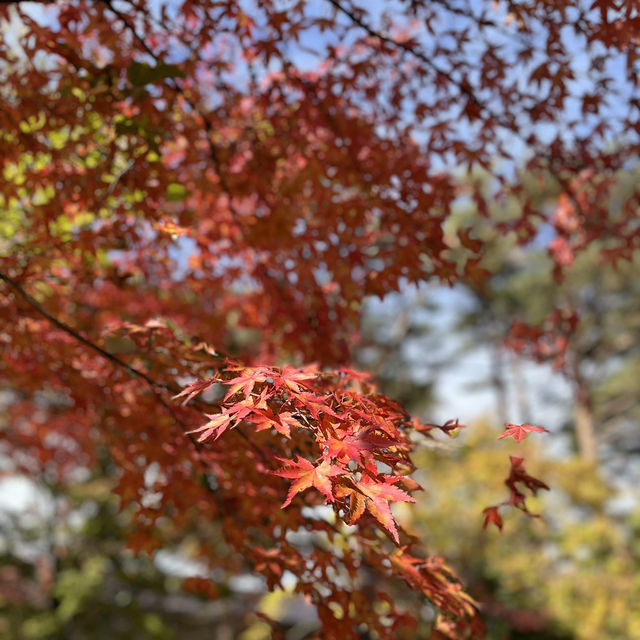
{"x": 498, "y": 382}
{"x": 522, "y": 396}
{"x": 584, "y": 426}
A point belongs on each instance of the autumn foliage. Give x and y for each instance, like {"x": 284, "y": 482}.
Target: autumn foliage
{"x": 197, "y": 193}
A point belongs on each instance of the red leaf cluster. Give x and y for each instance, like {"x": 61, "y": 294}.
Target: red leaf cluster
{"x": 517, "y": 481}
{"x": 546, "y": 343}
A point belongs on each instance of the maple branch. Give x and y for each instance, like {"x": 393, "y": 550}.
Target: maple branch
{"x": 485, "y": 22}
{"x": 464, "y": 88}
{"x": 130, "y": 28}
{"x": 17, "y": 288}
{"x": 208, "y": 126}
{"x": 153, "y": 384}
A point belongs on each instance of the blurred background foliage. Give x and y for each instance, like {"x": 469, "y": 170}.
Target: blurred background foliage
{"x": 573, "y": 573}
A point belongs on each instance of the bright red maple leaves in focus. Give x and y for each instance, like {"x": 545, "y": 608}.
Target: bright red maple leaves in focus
{"x": 305, "y": 474}
{"x": 354, "y": 433}
{"x": 352, "y": 450}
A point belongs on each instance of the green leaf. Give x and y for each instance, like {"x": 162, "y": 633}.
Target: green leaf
{"x": 176, "y": 192}
{"x": 141, "y": 73}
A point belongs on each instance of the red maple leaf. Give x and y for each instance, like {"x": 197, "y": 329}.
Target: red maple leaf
{"x": 307, "y": 475}
{"x": 375, "y": 497}
{"x": 520, "y": 431}
{"x": 491, "y": 516}
{"x": 356, "y": 444}
{"x": 446, "y": 428}
{"x": 295, "y": 378}
{"x": 519, "y": 474}
{"x": 281, "y": 422}
{"x": 217, "y": 425}
{"x": 193, "y": 389}
{"x": 246, "y": 382}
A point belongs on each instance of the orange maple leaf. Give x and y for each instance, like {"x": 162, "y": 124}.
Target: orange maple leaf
{"x": 375, "y": 497}
{"x": 491, "y": 516}
{"x": 520, "y": 431}
{"x": 307, "y": 475}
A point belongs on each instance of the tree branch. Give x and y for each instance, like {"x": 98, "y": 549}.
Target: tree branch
{"x": 464, "y": 88}
{"x": 153, "y": 384}
{"x": 17, "y": 288}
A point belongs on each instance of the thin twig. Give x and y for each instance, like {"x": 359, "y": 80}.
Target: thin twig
{"x": 17, "y": 288}
{"x": 464, "y": 88}
{"x": 153, "y": 384}
{"x": 467, "y": 91}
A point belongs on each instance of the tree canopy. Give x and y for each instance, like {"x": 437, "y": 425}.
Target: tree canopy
{"x": 197, "y": 198}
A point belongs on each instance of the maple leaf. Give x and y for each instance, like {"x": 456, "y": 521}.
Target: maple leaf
{"x": 314, "y": 404}
{"x": 294, "y": 378}
{"x": 375, "y": 497}
{"x": 281, "y": 422}
{"x": 193, "y": 389}
{"x": 357, "y": 506}
{"x": 446, "y": 428}
{"x": 519, "y": 474}
{"x": 217, "y": 425}
{"x": 520, "y": 431}
{"x": 408, "y": 566}
{"x": 354, "y": 446}
{"x": 246, "y": 382}
{"x": 307, "y": 475}
{"x": 204, "y": 586}
{"x": 284, "y": 422}
{"x": 491, "y": 516}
